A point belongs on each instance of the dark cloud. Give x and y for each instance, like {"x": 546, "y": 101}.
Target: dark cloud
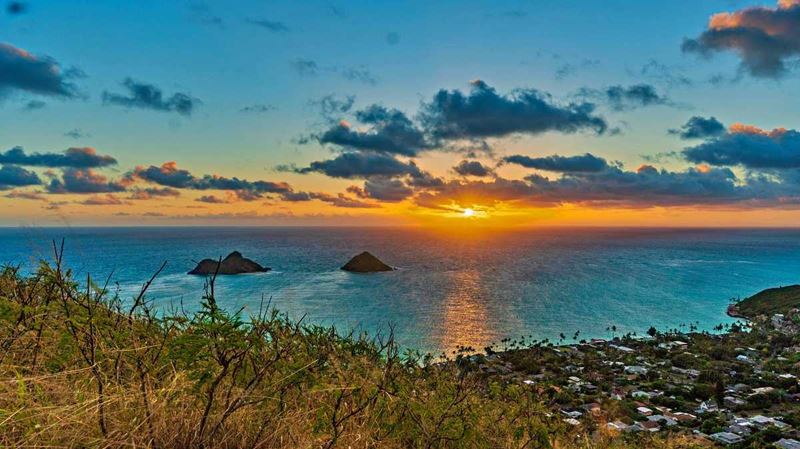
{"x": 76, "y": 180}
{"x": 274, "y": 26}
{"x": 153, "y": 192}
{"x": 34, "y": 105}
{"x": 749, "y": 147}
{"x": 568, "y": 69}
{"x": 23, "y": 195}
{"x": 483, "y": 113}
{"x": 645, "y": 187}
{"x": 16, "y": 8}
{"x": 85, "y": 157}
{"x": 360, "y": 74}
{"x": 472, "y": 168}
{"x": 258, "y": 108}
{"x": 586, "y": 163}
{"x": 631, "y": 97}
{"x": 699, "y": 128}
{"x": 12, "y": 176}
{"x": 332, "y": 107}
{"x": 304, "y": 67}
{"x": 103, "y": 200}
{"x": 337, "y": 11}
{"x": 168, "y": 174}
{"x": 339, "y": 200}
{"x": 390, "y": 132}
{"x": 621, "y": 98}
{"x": 148, "y": 96}
{"x": 77, "y": 133}
{"x": 393, "y": 38}
{"x": 387, "y": 189}
{"x": 664, "y": 74}
{"x": 213, "y": 199}
{"x": 361, "y": 165}
{"x": 764, "y": 38}
{"x": 20, "y": 70}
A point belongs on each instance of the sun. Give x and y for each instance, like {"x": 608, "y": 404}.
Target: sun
{"x": 468, "y": 212}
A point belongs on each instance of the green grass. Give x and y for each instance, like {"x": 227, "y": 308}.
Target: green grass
{"x": 771, "y": 301}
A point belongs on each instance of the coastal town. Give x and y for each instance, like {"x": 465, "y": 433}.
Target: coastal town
{"x": 735, "y": 387}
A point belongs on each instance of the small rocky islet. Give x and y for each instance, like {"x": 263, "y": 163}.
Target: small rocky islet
{"x": 366, "y": 263}
{"x": 233, "y": 263}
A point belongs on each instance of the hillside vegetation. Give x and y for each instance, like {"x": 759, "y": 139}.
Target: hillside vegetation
{"x": 770, "y": 301}
{"x": 81, "y": 367}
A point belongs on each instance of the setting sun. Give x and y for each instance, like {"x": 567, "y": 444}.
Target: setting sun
{"x": 468, "y": 212}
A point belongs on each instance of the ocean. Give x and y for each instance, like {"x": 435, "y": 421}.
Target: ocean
{"x": 450, "y": 289}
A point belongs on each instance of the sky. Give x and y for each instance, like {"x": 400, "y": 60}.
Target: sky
{"x": 440, "y": 114}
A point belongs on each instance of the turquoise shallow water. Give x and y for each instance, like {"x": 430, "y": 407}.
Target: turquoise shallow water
{"x": 448, "y": 291}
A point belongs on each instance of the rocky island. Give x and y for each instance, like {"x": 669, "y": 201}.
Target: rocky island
{"x": 234, "y": 263}
{"x": 366, "y": 263}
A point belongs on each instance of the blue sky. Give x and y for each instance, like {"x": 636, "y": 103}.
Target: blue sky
{"x": 232, "y": 55}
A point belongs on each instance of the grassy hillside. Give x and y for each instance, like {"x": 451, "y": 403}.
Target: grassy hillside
{"x": 79, "y": 367}
{"x": 770, "y": 301}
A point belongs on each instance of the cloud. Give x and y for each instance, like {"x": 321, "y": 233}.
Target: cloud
{"x": 390, "y": 131}
{"x": 103, "y": 200}
{"x": 764, "y": 38}
{"x": 21, "y": 194}
{"x": 77, "y": 180}
{"x": 472, "y": 168}
{"x": 361, "y": 165}
{"x": 34, "y": 105}
{"x": 258, "y": 108}
{"x": 148, "y": 96}
{"x": 85, "y": 157}
{"x": 360, "y": 74}
{"x": 12, "y": 176}
{"x": 586, "y": 163}
{"x": 309, "y": 67}
{"x": 269, "y": 25}
{"x": 483, "y": 113}
{"x": 664, "y": 74}
{"x": 750, "y": 147}
{"x": 304, "y": 67}
{"x": 16, "y": 8}
{"x": 213, "y": 199}
{"x": 20, "y": 70}
{"x": 699, "y": 128}
{"x": 332, "y": 107}
{"x": 168, "y": 174}
{"x": 77, "y": 133}
{"x": 615, "y": 187}
{"x": 568, "y": 69}
{"x": 387, "y": 189}
{"x": 154, "y": 192}
{"x": 639, "y": 95}
{"x": 392, "y": 38}
{"x": 339, "y": 200}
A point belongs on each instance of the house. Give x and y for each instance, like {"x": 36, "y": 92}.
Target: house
{"x": 733, "y": 402}
{"x": 646, "y": 426}
{"x": 644, "y": 411}
{"x": 726, "y": 438}
{"x": 661, "y": 419}
{"x": 618, "y": 426}
{"x": 787, "y": 443}
{"x": 637, "y": 370}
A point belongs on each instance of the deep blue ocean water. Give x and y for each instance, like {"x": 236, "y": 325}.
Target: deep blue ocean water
{"x": 449, "y": 290}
